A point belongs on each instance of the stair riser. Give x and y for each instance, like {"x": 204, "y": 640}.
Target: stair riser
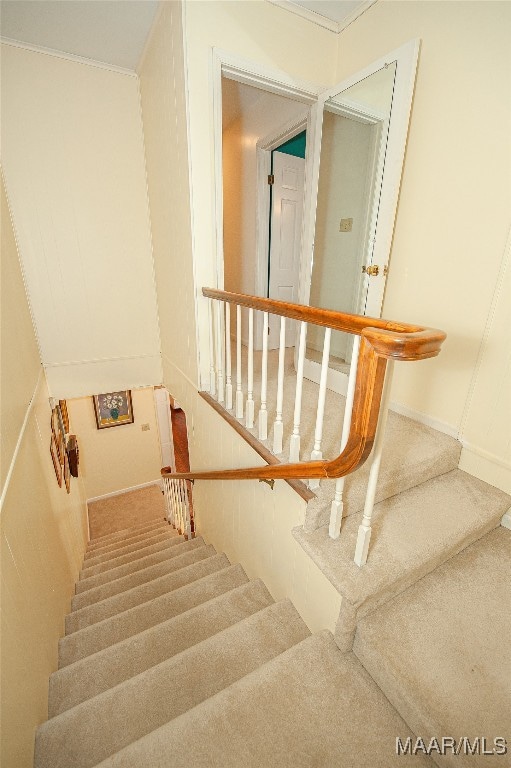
{"x": 167, "y": 536}
{"x": 79, "y": 737}
{"x": 160, "y": 556}
{"x": 104, "y": 670}
{"x": 136, "y": 530}
{"x": 118, "y": 628}
{"x": 126, "y": 540}
{"x": 126, "y": 583}
{"x": 119, "y": 603}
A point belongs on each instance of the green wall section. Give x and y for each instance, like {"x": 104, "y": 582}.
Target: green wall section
{"x": 295, "y": 146}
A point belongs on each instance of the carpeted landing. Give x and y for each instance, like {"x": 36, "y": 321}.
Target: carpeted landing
{"x": 173, "y": 657}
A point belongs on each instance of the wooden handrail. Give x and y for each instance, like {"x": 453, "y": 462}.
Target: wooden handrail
{"x": 381, "y": 340}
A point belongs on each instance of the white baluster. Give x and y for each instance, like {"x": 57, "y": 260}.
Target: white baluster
{"x": 249, "y": 423}
{"x": 166, "y": 497}
{"x": 220, "y": 350}
{"x": 212, "y": 377}
{"x": 171, "y": 503}
{"x": 188, "y": 526}
{"x": 278, "y": 427}
{"x": 294, "y": 446}
{"x": 239, "y": 392}
{"x": 228, "y": 379}
{"x": 317, "y": 454}
{"x": 364, "y": 529}
{"x": 263, "y": 413}
{"x": 337, "y": 507}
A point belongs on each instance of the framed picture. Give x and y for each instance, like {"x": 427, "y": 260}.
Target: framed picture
{"x": 67, "y": 473}
{"x": 61, "y": 447}
{"x": 113, "y": 409}
{"x": 65, "y": 416}
{"x": 57, "y": 466}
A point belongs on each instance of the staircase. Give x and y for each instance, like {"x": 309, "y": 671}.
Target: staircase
{"x": 172, "y": 656}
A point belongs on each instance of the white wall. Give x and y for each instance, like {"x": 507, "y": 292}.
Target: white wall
{"x": 453, "y": 213}
{"x": 162, "y": 87}
{"x": 43, "y": 529}
{"x": 73, "y": 156}
{"x": 121, "y": 457}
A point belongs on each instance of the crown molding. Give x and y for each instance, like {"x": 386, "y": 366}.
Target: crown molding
{"x": 67, "y": 56}
{"x": 320, "y": 20}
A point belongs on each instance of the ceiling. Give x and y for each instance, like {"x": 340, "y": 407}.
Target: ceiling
{"x": 111, "y": 31}
{"x": 332, "y": 14}
{"x": 115, "y": 31}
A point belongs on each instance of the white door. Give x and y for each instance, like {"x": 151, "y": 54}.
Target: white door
{"x": 286, "y": 229}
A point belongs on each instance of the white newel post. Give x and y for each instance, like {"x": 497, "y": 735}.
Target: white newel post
{"x": 294, "y": 446}
{"x": 364, "y": 529}
{"x": 219, "y": 350}
{"x": 278, "y": 427}
{"x": 249, "y": 423}
{"x": 317, "y": 454}
{"x": 239, "y": 392}
{"x": 263, "y": 413}
{"x": 212, "y": 376}
{"x": 228, "y": 365}
{"x": 337, "y": 507}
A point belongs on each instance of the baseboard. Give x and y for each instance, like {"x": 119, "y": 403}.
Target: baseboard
{"x": 423, "y": 418}
{"x": 506, "y": 520}
{"x": 486, "y": 466}
{"x": 124, "y": 490}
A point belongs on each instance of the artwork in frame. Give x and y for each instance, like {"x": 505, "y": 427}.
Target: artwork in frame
{"x": 67, "y": 473}
{"x": 113, "y": 409}
{"x": 65, "y": 415}
{"x": 57, "y": 466}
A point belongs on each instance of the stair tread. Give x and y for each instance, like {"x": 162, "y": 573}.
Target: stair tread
{"x": 117, "y": 603}
{"x": 310, "y": 706}
{"x": 124, "y": 532}
{"x": 413, "y": 533}
{"x": 122, "y": 625}
{"x": 137, "y": 706}
{"x": 437, "y": 651}
{"x": 167, "y": 535}
{"x": 413, "y": 453}
{"x": 132, "y": 566}
{"x": 124, "y": 583}
{"x": 121, "y": 543}
{"x": 107, "y": 668}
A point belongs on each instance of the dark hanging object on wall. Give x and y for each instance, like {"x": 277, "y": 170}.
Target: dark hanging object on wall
{"x": 73, "y": 455}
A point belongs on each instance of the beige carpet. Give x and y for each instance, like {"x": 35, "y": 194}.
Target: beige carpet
{"x": 128, "y": 509}
{"x": 198, "y": 666}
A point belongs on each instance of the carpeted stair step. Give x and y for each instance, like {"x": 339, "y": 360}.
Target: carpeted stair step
{"x": 138, "y": 564}
{"x": 169, "y": 564}
{"x": 311, "y": 706}
{"x": 106, "y": 669}
{"x": 101, "y": 726}
{"x": 438, "y": 650}
{"x": 117, "y": 628}
{"x": 412, "y": 454}
{"x": 126, "y": 540}
{"x": 141, "y": 594}
{"x": 125, "y": 533}
{"x": 167, "y": 536}
{"x": 412, "y": 534}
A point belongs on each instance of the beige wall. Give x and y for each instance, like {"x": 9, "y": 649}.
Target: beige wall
{"x": 43, "y": 529}
{"x": 162, "y": 88}
{"x": 73, "y": 156}
{"x": 455, "y": 199}
{"x": 117, "y": 457}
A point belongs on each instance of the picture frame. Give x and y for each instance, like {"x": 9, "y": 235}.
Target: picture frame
{"x": 65, "y": 415}
{"x": 57, "y": 466}
{"x": 67, "y": 473}
{"x": 113, "y": 409}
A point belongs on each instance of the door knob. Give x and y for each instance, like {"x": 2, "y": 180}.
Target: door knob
{"x": 372, "y": 271}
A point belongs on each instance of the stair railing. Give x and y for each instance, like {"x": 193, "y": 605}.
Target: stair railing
{"x": 377, "y": 344}
{"x": 177, "y": 502}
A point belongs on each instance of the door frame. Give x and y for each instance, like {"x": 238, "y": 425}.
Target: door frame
{"x": 233, "y": 67}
